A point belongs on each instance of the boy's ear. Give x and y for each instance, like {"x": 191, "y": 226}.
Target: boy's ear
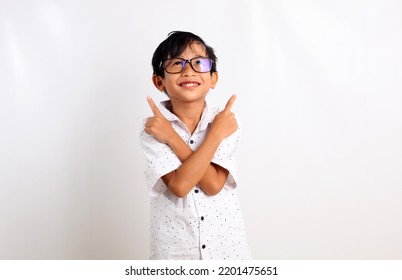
{"x": 158, "y": 82}
{"x": 214, "y": 79}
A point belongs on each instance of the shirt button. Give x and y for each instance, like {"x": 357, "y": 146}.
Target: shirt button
{"x": 191, "y": 141}
{"x": 196, "y": 191}
{"x": 202, "y": 218}
{"x": 203, "y": 246}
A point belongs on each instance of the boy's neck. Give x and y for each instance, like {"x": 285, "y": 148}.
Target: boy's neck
{"x": 189, "y": 113}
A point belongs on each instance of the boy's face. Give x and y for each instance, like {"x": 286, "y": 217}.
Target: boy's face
{"x": 188, "y": 85}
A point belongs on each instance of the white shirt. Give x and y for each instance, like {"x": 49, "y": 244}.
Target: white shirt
{"x": 197, "y": 226}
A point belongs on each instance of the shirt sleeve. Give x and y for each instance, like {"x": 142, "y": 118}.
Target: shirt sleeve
{"x": 226, "y": 157}
{"x": 160, "y": 160}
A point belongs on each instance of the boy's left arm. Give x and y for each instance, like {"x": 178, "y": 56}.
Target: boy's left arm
{"x": 214, "y": 178}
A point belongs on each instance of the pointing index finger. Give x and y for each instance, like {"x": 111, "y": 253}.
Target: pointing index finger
{"x": 154, "y": 108}
{"x": 229, "y": 105}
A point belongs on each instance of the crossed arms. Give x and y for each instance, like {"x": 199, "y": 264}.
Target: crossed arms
{"x": 196, "y": 167}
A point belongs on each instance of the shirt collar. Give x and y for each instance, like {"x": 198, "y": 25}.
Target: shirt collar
{"x": 207, "y": 116}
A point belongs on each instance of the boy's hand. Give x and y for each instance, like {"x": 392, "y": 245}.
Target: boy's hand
{"x": 158, "y": 126}
{"x": 225, "y": 122}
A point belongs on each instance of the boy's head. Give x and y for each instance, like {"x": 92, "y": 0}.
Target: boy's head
{"x": 174, "y": 46}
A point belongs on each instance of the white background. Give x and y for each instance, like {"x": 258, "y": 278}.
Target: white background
{"x": 319, "y": 87}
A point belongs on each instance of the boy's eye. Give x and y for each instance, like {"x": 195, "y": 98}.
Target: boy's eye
{"x": 175, "y": 62}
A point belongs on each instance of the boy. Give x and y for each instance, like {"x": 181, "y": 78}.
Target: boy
{"x": 191, "y": 152}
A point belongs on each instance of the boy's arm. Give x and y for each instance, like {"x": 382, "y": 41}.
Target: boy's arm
{"x": 214, "y": 177}
{"x": 196, "y": 167}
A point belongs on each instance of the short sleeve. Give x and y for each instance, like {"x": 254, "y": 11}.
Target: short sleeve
{"x": 160, "y": 160}
{"x": 226, "y": 157}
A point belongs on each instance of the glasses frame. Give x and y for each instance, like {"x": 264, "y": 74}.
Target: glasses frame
{"x": 184, "y": 62}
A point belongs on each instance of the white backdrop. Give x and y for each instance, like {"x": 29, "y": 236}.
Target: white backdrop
{"x": 320, "y": 97}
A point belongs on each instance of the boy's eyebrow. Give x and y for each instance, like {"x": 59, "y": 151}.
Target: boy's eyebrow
{"x": 189, "y": 58}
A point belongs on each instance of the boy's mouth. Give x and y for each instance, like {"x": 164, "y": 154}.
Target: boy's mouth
{"x": 189, "y": 84}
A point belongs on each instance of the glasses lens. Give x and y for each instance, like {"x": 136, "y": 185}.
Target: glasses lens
{"x": 201, "y": 64}
{"x": 174, "y": 65}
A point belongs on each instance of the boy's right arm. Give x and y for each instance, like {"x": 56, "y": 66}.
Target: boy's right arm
{"x": 196, "y": 167}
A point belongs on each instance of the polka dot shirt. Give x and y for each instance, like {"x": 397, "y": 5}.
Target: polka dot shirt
{"x": 197, "y": 226}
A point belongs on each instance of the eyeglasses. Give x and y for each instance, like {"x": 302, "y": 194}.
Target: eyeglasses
{"x": 176, "y": 65}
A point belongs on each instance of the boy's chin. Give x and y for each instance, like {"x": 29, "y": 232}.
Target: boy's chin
{"x": 191, "y": 93}
{"x": 188, "y": 96}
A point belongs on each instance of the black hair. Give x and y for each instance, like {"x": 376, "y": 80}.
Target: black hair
{"x": 174, "y": 45}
